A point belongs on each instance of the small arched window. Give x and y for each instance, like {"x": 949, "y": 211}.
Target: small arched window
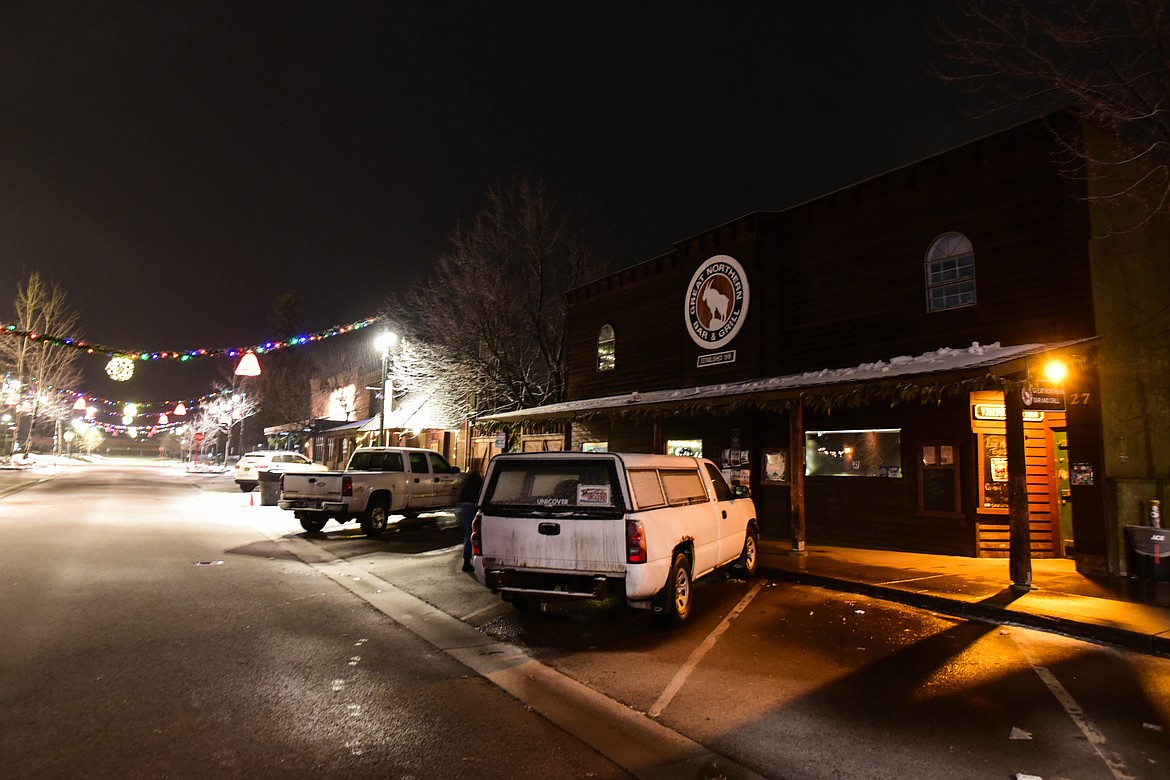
{"x": 605, "y": 348}
{"x": 950, "y": 273}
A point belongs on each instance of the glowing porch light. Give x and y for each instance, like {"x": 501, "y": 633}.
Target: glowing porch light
{"x": 1055, "y": 371}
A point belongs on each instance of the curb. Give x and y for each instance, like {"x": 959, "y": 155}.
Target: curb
{"x": 1110, "y": 635}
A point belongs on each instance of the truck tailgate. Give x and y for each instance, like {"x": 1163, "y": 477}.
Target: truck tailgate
{"x": 320, "y": 486}
{"x": 558, "y": 543}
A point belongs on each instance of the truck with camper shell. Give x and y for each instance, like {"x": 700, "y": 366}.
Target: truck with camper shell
{"x": 576, "y": 525}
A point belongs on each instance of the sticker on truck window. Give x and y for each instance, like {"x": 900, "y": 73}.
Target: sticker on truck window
{"x": 593, "y": 495}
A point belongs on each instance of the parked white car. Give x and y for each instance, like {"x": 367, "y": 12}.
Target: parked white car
{"x": 252, "y": 464}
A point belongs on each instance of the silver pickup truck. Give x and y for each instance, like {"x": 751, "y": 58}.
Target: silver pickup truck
{"x": 573, "y": 525}
{"x": 378, "y": 482}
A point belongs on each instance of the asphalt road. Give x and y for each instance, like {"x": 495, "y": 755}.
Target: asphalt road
{"x": 161, "y": 625}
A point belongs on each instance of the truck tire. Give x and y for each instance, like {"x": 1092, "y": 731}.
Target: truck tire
{"x": 311, "y": 523}
{"x": 673, "y": 604}
{"x": 749, "y": 558}
{"x": 375, "y": 519}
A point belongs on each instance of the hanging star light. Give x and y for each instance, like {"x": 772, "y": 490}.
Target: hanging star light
{"x": 120, "y": 368}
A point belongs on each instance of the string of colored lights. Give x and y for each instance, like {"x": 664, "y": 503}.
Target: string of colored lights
{"x": 185, "y": 355}
{"x": 145, "y": 407}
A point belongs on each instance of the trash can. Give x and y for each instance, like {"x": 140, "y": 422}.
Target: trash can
{"x": 1149, "y": 552}
{"x": 269, "y": 488}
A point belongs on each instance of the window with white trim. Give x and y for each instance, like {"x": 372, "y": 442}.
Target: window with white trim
{"x": 950, "y": 273}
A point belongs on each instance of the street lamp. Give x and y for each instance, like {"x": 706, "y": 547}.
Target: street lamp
{"x": 383, "y": 343}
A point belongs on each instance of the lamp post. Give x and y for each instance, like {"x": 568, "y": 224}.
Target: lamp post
{"x": 383, "y": 343}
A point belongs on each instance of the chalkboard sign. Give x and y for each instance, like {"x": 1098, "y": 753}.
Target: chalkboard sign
{"x": 938, "y": 491}
{"x": 995, "y": 472}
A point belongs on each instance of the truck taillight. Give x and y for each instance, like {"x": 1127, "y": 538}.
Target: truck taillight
{"x": 476, "y": 539}
{"x": 635, "y": 542}
{"x": 347, "y": 486}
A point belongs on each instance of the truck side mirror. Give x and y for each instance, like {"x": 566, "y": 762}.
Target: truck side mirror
{"x": 741, "y": 491}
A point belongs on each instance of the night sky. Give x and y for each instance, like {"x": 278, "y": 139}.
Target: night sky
{"x": 175, "y": 166}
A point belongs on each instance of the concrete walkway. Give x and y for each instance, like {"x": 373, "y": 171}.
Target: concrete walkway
{"x": 1123, "y": 611}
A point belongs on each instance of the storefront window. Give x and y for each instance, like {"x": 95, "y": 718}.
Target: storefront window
{"x": 854, "y": 453}
{"x": 692, "y": 448}
{"x": 993, "y": 473}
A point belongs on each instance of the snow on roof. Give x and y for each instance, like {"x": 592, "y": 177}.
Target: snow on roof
{"x": 941, "y": 361}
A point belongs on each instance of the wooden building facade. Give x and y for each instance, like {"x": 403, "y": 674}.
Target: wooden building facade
{"x": 866, "y": 339}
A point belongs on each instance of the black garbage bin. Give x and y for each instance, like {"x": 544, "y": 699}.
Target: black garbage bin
{"x": 1149, "y": 552}
{"x": 269, "y": 488}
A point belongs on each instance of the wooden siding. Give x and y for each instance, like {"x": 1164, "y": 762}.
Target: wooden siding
{"x": 840, "y": 281}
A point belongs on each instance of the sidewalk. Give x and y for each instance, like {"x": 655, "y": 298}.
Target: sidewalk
{"x": 1128, "y": 612}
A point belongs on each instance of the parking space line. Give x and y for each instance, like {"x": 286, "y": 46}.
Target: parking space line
{"x": 1091, "y": 733}
{"x": 680, "y": 677}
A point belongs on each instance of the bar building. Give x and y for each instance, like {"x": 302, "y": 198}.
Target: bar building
{"x": 856, "y": 358}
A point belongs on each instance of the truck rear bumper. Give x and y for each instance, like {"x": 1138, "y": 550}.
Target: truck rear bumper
{"x": 552, "y": 585}
{"x": 305, "y": 505}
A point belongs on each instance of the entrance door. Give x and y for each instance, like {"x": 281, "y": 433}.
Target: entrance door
{"x": 1063, "y": 493}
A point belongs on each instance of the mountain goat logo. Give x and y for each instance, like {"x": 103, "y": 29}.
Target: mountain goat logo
{"x": 716, "y": 302}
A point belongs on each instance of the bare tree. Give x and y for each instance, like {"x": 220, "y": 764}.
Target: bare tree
{"x": 217, "y": 417}
{"x": 430, "y": 390}
{"x": 495, "y": 303}
{"x": 43, "y": 368}
{"x": 284, "y": 385}
{"x": 1107, "y": 61}
{"x": 338, "y": 370}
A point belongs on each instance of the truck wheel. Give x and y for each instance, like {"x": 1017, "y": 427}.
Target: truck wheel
{"x": 312, "y": 524}
{"x": 673, "y": 605}
{"x": 375, "y": 518}
{"x": 749, "y": 559}
{"x": 246, "y": 487}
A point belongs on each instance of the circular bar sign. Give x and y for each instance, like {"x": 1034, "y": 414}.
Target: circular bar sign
{"x": 716, "y": 302}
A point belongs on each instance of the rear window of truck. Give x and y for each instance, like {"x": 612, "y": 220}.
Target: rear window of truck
{"x": 564, "y": 485}
{"x": 376, "y": 461}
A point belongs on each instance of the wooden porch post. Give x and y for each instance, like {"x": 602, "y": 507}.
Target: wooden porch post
{"x": 1019, "y": 532}
{"x": 796, "y": 476}
{"x": 659, "y": 443}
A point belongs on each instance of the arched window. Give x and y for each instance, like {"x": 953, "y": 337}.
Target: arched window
{"x": 605, "y": 348}
{"x": 950, "y": 273}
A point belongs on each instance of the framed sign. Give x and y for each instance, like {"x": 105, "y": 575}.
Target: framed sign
{"x": 776, "y": 466}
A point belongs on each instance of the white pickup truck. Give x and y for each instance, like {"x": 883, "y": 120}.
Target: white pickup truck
{"x": 377, "y": 482}
{"x": 564, "y": 525}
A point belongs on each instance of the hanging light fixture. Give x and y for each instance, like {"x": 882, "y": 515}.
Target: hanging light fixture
{"x": 120, "y": 368}
{"x": 180, "y": 410}
{"x": 163, "y": 419}
{"x": 79, "y": 404}
{"x": 249, "y": 365}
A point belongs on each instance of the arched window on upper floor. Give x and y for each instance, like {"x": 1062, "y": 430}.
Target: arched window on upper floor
{"x": 950, "y": 273}
{"x": 605, "y": 348}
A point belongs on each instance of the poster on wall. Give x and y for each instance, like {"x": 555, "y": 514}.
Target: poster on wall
{"x": 776, "y": 466}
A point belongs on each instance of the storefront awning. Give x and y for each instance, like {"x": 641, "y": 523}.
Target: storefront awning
{"x": 930, "y": 374}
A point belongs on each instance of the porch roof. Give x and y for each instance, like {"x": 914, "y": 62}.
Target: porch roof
{"x": 926, "y": 376}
